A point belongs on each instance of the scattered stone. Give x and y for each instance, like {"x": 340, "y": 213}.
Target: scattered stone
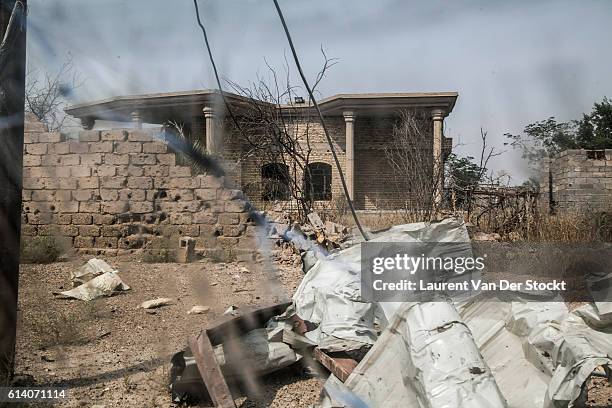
{"x": 231, "y": 311}
{"x": 199, "y": 309}
{"x": 155, "y": 303}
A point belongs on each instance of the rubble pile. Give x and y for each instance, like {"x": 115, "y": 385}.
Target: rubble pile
{"x": 469, "y": 352}
{"x": 291, "y": 240}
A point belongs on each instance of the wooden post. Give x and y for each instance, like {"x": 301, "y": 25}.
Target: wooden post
{"x": 12, "y": 88}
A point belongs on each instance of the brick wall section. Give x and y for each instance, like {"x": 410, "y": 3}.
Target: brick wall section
{"x": 375, "y": 183}
{"x": 579, "y": 183}
{"x": 120, "y": 190}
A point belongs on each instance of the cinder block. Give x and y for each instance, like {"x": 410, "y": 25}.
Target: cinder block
{"x": 109, "y": 194}
{"x": 142, "y": 159}
{"x": 206, "y": 218}
{"x": 114, "y": 134}
{"x": 168, "y": 159}
{"x": 43, "y": 195}
{"x": 229, "y": 219}
{"x": 105, "y": 242}
{"x": 154, "y": 147}
{"x": 89, "y": 182}
{"x": 88, "y": 230}
{"x": 112, "y": 230}
{"x": 135, "y": 171}
{"x": 69, "y": 230}
{"x": 68, "y": 206}
{"x": 139, "y": 136}
{"x": 140, "y": 182}
{"x": 105, "y": 170}
{"x": 180, "y": 171}
{"x": 36, "y": 148}
{"x": 91, "y": 159}
{"x": 82, "y": 219}
{"x": 114, "y": 207}
{"x": 89, "y": 207}
{"x": 63, "y": 195}
{"x": 89, "y": 136}
{"x": 156, "y": 170}
{"x": 101, "y": 147}
{"x": 33, "y": 183}
{"x": 69, "y": 160}
{"x": 83, "y": 242}
{"x": 58, "y": 148}
{"x": 78, "y": 147}
{"x": 49, "y": 137}
{"x": 141, "y": 207}
{"x": 206, "y": 194}
{"x": 113, "y": 182}
{"x": 116, "y": 159}
{"x": 128, "y": 147}
{"x": 67, "y": 183}
{"x": 80, "y": 171}
{"x": 29, "y": 160}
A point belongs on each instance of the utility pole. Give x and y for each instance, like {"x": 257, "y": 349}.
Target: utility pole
{"x": 12, "y": 88}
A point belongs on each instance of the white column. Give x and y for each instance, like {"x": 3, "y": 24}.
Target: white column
{"x": 349, "y": 119}
{"x": 213, "y": 136}
{"x": 136, "y": 120}
{"x": 438, "y": 166}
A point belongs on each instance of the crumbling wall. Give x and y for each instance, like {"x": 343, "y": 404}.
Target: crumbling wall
{"x": 116, "y": 191}
{"x": 581, "y": 180}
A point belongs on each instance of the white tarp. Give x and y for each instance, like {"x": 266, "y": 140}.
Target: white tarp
{"x": 484, "y": 353}
{"x": 329, "y": 295}
{"x": 106, "y": 284}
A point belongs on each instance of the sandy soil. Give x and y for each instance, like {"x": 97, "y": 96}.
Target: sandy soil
{"x": 112, "y": 353}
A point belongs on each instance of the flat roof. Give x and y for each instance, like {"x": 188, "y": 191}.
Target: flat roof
{"x": 159, "y": 107}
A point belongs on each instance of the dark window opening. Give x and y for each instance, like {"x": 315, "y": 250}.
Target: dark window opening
{"x": 275, "y": 182}
{"x": 596, "y": 154}
{"x": 318, "y": 182}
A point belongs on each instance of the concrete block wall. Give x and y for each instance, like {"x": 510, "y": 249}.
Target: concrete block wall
{"x": 116, "y": 191}
{"x": 581, "y": 180}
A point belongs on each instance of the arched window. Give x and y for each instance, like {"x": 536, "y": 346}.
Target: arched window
{"x": 318, "y": 181}
{"x": 275, "y": 182}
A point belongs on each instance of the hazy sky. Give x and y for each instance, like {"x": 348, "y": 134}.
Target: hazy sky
{"x": 512, "y": 62}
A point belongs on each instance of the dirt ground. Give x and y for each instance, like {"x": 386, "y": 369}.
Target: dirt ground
{"x": 112, "y": 353}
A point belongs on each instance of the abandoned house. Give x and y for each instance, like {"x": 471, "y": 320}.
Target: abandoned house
{"x": 115, "y": 190}
{"x": 361, "y": 126}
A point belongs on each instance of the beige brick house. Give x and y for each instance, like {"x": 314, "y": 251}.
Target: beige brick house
{"x": 361, "y": 125}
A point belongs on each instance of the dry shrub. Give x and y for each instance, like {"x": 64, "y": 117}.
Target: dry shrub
{"x": 41, "y": 249}
{"x": 57, "y": 328}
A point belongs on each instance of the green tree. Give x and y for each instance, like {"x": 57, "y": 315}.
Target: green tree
{"x": 463, "y": 175}
{"x": 548, "y": 137}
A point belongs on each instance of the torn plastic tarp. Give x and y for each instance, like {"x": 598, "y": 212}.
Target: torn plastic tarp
{"x": 329, "y": 295}
{"x": 534, "y": 353}
{"x": 94, "y": 267}
{"x": 106, "y": 284}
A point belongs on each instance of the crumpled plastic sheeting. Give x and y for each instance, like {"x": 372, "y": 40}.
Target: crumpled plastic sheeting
{"x": 540, "y": 353}
{"x": 90, "y": 270}
{"x": 106, "y": 284}
{"x": 426, "y": 358}
{"x": 330, "y": 293}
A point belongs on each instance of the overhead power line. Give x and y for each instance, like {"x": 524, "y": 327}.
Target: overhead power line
{"x": 316, "y": 105}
